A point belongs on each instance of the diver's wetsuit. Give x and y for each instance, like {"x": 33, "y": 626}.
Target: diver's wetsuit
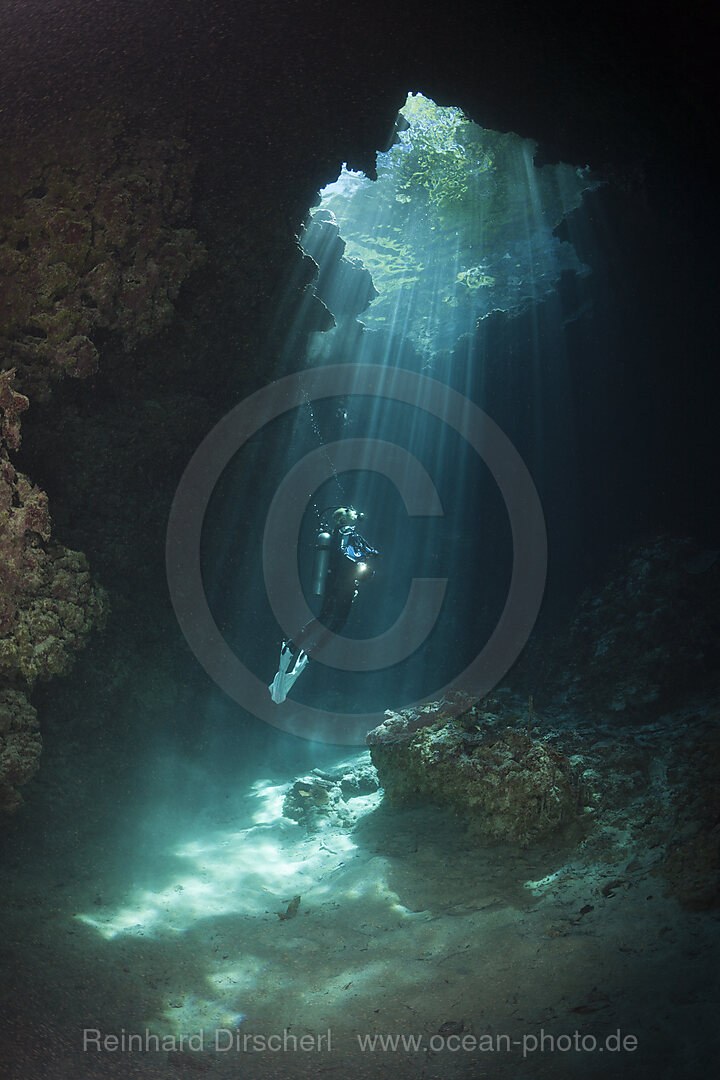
{"x": 350, "y": 556}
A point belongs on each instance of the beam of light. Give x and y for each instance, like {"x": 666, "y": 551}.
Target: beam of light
{"x": 459, "y": 226}
{"x": 224, "y": 907}
{"x": 249, "y": 870}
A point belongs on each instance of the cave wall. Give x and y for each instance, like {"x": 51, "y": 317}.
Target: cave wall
{"x": 158, "y": 165}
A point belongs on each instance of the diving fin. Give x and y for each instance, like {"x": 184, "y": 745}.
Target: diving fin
{"x": 284, "y": 680}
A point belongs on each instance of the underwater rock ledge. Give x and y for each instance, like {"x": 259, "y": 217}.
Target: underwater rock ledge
{"x": 48, "y": 605}
{"x": 20, "y": 746}
{"x": 94, "y": 250}
{"x": 481, "y": 762}
{"x": 639, "y": 796}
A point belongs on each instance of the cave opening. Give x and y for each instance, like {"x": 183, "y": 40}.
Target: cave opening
{"x": 449, "y": 265}
{"x": 460, "y": 223}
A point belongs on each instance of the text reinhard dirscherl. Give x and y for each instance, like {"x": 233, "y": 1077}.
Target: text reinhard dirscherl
{"x": 219, "y": 1041}
{"x": 223, "y": 1040}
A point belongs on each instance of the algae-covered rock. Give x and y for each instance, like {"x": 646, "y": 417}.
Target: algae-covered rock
{"x": 359, "y": 781}
{"x": 507, "y": 785}
{"x": 51, "y": 616}
{"x": 92, "y": 240}
{"x": 48, "y": 604}
{"x": 312, "y": 800}
{"x": 12, "y": 404}
{"x": 48, "y": 601}
{"x": 334, "y": 798}
{"x": 20, "y": 746}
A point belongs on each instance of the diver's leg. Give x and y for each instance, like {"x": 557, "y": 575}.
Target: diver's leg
{"x": 334, "y": 616}
{"x": 314, "y": 630}
{"x": 303, "y": 642}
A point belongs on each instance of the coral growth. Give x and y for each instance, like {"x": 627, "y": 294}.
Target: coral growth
{"x": 48, "y": 603}
{"x": 11, "y": 405}
{"x": 91, "y": 241}
{"x": 20, "y": 746}
{"x": 311, "y": 799}
{"x": 50, "y": 615}
{"x": 505, "y": 784}
{"x": 92, "y": 245}
{"x": 324, "y": 798}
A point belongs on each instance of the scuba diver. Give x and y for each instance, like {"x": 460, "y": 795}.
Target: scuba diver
{"x": 342, "y": 563}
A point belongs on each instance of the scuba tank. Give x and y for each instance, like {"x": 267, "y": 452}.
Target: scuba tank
{"x": 322, "y": 561}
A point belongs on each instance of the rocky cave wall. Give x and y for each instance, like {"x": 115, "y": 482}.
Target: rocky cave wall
{"x": 157, "y": 168}
{"x": 91, "y": 248}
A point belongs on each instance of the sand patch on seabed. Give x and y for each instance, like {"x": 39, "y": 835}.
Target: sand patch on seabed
{"x": 495, "y": 961}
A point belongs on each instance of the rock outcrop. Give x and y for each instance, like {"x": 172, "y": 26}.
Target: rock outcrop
{"x": 481, "y": 762}
{"x": 48, "y": 604}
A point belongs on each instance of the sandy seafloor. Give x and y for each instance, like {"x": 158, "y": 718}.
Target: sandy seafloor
{"x": 405, "y": 927}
